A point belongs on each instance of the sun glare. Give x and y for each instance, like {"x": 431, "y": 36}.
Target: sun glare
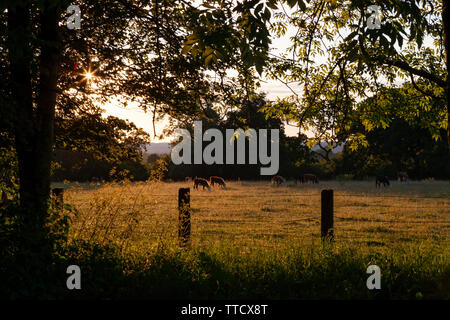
{"x": 88, "y": 75}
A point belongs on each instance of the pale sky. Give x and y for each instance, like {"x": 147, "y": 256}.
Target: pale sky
{"x": 274, "y": 89}
{"x": 144, "y": 120}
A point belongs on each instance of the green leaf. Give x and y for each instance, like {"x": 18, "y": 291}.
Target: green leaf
{"x": 351, "y": 36}
{"x": 267, "y": 15}
{"x": 419, "y": 40}
{"x": 259, "y": 68}
{"x": 292, "y": 3}
{"x": 209, "y": 51}
{"x": 400, "y": 40}
{"x": 258, "y": 8}
{"x": 208, "y": 5}
{"x": 302, "y": 5}
{"x": 272, "y": 5}
{"x": 209, "y": 59}
{"x": 186, "y": 49}
{"x": 191, "y": 41}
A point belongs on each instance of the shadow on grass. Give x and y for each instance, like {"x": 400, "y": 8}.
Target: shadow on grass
{"x": 170, "y": 273}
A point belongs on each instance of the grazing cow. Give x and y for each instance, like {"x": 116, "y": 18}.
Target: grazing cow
{"x": 202, "y": 182}
{"x": 309, "y": 177}
{"x": 402, "y": 177}
{"x": 278, "y": 180}
{"x": 220, "y": 181}
{"x": 382, "y": 180}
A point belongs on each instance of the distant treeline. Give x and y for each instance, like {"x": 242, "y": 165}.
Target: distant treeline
{"x": 84, "y": 166}
{"x": 400, "y": 147}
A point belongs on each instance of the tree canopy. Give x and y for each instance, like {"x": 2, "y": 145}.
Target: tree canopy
{"x": 174, "y": 57}
{"x": 338, "y": 59}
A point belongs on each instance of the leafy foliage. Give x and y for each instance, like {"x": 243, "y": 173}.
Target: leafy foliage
{"x": 338, "y": 61}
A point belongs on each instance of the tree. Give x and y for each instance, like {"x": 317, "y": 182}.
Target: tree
{"x": 107, "y": 138}
{"x": 359, "y": 60}
{"x": 131, "y": 50}
{"x": 37, "y": 44}
{"x": 406, "y": 143}
{"x": 31, "y": 97}
{"x": 153, "y": 157}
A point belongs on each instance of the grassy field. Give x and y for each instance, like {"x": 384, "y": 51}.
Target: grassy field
{"x": 258, "y": 216}
{"x": 257, "y": 240}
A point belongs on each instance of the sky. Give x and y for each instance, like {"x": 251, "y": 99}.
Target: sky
{"x": 274, "y": 89}
{"x": 141, "y": 119}
{"x": 144, "y": 120}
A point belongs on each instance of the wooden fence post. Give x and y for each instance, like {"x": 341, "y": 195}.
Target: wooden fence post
{"x": 184, "y": 209}
{"x": 327, "y": 230}
{"x": 58, "y": 194}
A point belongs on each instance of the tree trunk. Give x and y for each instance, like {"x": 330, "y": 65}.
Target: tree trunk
{"x": 446, "y": 23}
{"x": 33, "y": 120}
{"x": 20, "y": 57}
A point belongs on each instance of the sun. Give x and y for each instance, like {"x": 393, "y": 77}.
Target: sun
{"x": 88, "y": 75}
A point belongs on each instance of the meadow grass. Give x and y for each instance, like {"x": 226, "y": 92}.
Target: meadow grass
{"x": 254, "y": 240}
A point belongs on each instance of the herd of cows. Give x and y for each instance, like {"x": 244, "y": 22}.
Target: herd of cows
{"x": 213, "y": 180}
{"x": 278, "y": 180}
{"x": 383, "y": 180}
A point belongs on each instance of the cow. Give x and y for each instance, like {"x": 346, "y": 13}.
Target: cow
{"x": 278, "y": 180}
{"x": 187, "y": 179}
{"x": 382, "y": 180}
{"x": 402, "y": 177}
{"x": 309, "y": 177}
{"x": 202, "y": 182}
{"x": 217, "y": 180}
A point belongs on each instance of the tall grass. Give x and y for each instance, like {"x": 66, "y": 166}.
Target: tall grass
{"x": 258, "y": 241}
{"x": 295, "y": 273}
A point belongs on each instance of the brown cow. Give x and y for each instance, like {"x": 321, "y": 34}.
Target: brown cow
{"x": 278, "y": 180}
{"x": 402, "y": 177}
{"x": 187, "y": 179}
{"x": 309, "y": 177}
{"x": 202, "y": 182}
{"x": 219, "y": 180}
